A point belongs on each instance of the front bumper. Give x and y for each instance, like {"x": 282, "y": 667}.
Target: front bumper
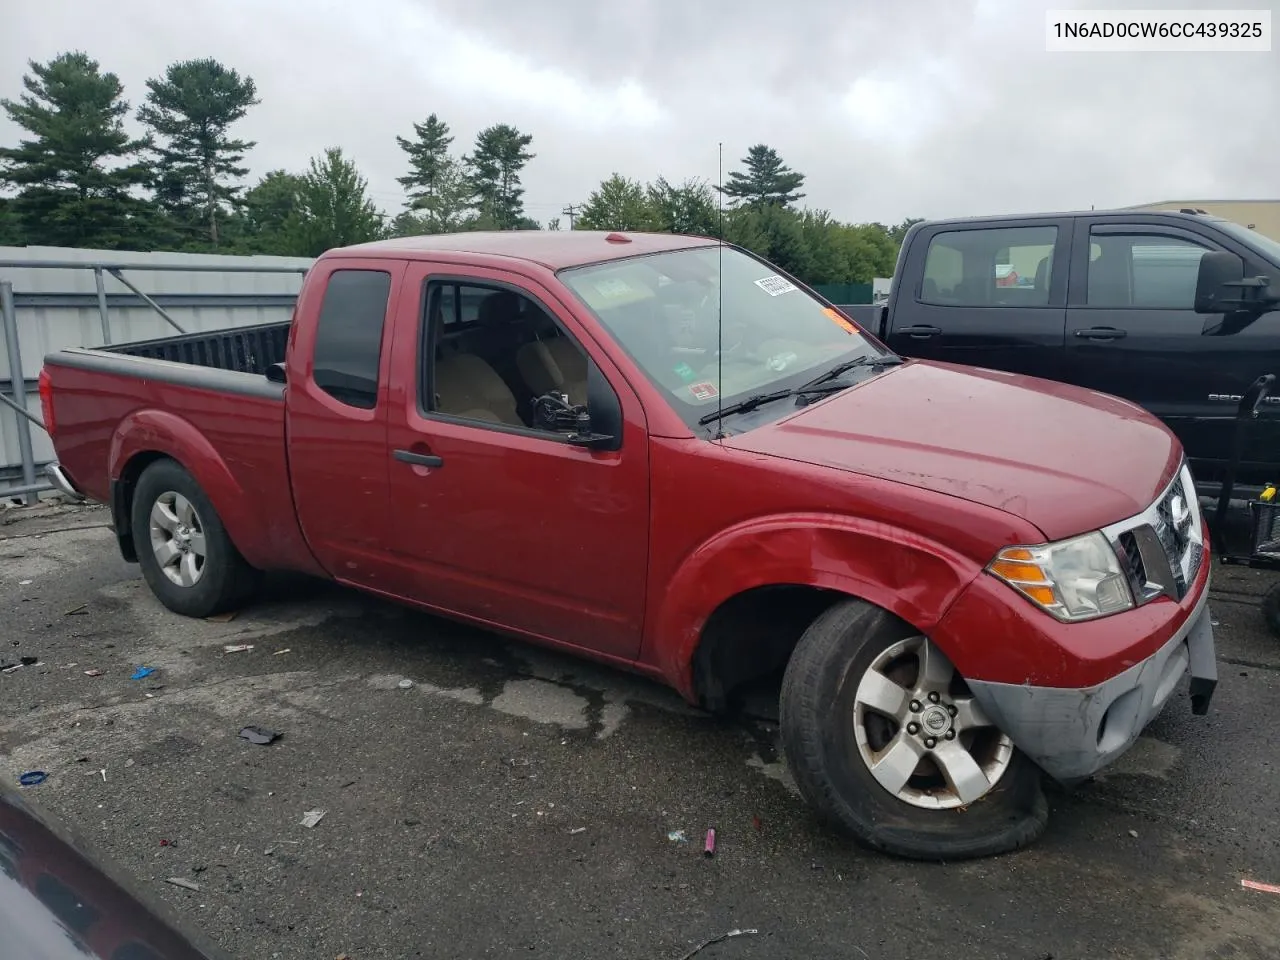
{"x": 1074, "y": 732}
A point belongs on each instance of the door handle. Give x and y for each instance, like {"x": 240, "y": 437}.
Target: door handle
{"x": 418, "y": 459}
{"x": 921, "y": 332}
{"x": 1102, "y": 333}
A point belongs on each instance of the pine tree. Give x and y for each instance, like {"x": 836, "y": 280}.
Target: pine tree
{"x": 767, "y": 182}
{"x": 191, "y": 110}
{"x": 77, "y": 171}
{"x": 493, "y": 172}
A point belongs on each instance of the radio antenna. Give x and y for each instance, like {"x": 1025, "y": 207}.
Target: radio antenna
{"x": 720, "y": 308}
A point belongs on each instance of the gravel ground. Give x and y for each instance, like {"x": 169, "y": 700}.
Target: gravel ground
{"x": 513, "y": 802}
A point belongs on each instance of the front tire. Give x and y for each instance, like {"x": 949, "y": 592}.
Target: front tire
{"x": 187, "y": 559}
{"x": 886, "y": 742}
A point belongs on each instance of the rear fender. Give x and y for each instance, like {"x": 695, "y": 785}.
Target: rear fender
{"x": 909, "y": 575}
{"x": 145, "y": 432}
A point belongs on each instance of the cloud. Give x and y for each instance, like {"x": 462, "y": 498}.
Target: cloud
{"x": 929, "y": 108}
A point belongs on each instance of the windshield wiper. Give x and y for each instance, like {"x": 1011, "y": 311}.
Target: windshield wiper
{"x": 866, "y": 360}
{"x": 743, "y": 406}
{"x": 820, "y": 384}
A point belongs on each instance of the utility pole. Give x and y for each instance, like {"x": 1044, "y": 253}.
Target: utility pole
{"x": 570, "y": 211}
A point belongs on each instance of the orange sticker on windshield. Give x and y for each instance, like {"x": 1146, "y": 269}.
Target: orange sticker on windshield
{"x": 840, "y": 320}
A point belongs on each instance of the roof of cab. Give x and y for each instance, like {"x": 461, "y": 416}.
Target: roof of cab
{"x": 554, "y": 249}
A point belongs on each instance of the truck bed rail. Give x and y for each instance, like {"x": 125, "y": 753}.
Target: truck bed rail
{"x": 244, "y": 349}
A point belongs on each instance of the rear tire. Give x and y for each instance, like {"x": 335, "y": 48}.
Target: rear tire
{"x": 187, "y": 559}
{"x": 850, "y": 675}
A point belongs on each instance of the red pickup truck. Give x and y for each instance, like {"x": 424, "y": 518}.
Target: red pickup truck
{"x": 663, "y": 453}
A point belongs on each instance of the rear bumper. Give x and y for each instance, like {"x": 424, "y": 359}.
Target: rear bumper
{"x": 1074, "y": 732}
{"x": 61, "y": 482}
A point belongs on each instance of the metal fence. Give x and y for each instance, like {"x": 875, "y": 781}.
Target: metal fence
{"x": 52, "y": 298}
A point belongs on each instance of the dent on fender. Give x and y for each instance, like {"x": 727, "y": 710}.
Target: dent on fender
{"x": 911, "y": 576}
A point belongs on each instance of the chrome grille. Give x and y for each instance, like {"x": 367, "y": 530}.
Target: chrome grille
{"x": 1161, "y": 549}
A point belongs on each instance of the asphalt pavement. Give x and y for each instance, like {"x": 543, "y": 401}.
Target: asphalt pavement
{"x": 513, "y": 802}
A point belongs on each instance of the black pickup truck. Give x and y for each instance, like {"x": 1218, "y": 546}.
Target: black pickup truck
{"x": 1122, "y": 302}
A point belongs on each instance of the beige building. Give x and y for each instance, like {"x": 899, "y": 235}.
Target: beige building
{"x": 1260, "y": 215}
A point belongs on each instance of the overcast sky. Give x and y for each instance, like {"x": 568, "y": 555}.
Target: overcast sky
{"x": 892, "y": 109}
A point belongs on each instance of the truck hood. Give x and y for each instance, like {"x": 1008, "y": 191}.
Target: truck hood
{"x": 1063, "y": 458}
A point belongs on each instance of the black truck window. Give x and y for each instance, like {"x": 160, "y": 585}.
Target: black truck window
{"x": 1143, "y": 271}
{"x": 997, "y": 267}
{"x": 349, "y": 336}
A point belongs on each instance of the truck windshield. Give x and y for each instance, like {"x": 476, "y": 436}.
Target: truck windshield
{"x": 1264, "y": 245}
{"x": 664, "y": 310}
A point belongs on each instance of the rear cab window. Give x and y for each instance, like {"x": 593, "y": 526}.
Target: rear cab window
{"x": 990, "y": 267}
{"x": 349, "y": 333}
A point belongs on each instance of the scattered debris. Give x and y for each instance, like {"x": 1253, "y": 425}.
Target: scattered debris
{"x": 222, "y": 617}
{"x": 577, "y": 830}
{"x": 677, "y": 836}
{"x": 312, "y": 817}
{"x": 757, "y": 823}
{"x": 1134, "y": 834}
{"x": 33, "y": 778}
{"x": 709, "y": 848}
{"x": 405, "y": 684}
{"x": 103, "y": 771}
{"x": 237, "y": 647}
{"x": 259, "y": 735}
{"x": 24, "y": 583}
{"x": 129, "y": 762}
{"x": 720, "y": 939}
{"x": 1256, "y": 885}
{"x": 184, "y": 884}
{"x": 93, "y": 673}
{"x": 142, "y": 673}
{"x": 78, "y": 611}
{"x": 279, "y": 652}
{"x": 10, "y": 667}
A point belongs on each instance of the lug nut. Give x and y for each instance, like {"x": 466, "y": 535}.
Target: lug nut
{"x": 951, "y": 709}
{"x": 951, "y": 734}
{"x": 934, "y": 698}
{"x": 913, "y": 728}
{"x": 916, "y": 706}
{"x": 931, "y": 743}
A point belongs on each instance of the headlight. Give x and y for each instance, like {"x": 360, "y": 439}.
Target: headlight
{"x": 1076, "y": 579}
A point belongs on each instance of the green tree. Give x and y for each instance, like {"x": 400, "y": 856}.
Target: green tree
{"x": 617, "y": 204}
{"x": 76, "y": 172}
{"x": 493, "y": 168}
{"x": 689, "y": 208}
{"x": 439, "y": 194}
{"x": 334, "y": 208}
{"x": 11, "y": 234}
{"x": 191, "y": 109}
{"x": 767, "y": 181}
{"x": 268, "y": 212}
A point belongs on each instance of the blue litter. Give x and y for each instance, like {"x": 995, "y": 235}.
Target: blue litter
{"x": 33, "y": 778}
{"x": 142, "y": 673}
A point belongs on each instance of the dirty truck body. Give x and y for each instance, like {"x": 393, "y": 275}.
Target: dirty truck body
{"x": 963, "y": 577}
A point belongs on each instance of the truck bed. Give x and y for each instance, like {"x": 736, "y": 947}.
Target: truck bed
{"x": 202, "y": 398}
{"x": 240, "y": 349}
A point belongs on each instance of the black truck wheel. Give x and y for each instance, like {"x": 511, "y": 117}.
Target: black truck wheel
{"x": 186, "y": 556}
{"x": 885, "y": 741}
{"x": 1271, "y": 609}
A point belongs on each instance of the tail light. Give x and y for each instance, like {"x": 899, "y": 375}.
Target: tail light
{"x": 46, "y": 401}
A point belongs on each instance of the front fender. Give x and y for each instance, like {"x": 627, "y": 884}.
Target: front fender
{"x": 909, "y": 575}
{"x": 158, "y": 431}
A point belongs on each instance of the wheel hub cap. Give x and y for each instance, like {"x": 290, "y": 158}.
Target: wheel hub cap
{"x": 935, "y": 721}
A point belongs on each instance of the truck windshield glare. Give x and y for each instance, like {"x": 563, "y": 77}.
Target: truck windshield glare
{"x": 664, "y": 310}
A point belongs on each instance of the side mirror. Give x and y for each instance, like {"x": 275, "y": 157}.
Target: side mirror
{"x": 584, "y": 436}
{"x": 276, "y": 373}
{"x": 1221, "y": 286}
{"x": 1217, "y": 269}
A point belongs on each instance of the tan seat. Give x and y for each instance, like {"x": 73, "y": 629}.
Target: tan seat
{"x": 555, "y": 364}
{"x": 468, "y": 387}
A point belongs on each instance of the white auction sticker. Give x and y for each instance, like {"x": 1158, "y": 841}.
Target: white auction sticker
{"x": 775, "y": 285}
